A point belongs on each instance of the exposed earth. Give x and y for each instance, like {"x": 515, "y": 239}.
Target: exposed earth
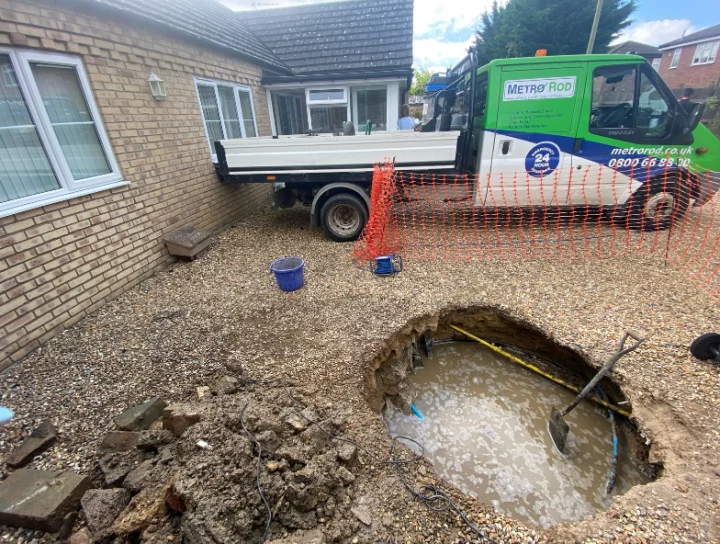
{"x": 315, "y": 351}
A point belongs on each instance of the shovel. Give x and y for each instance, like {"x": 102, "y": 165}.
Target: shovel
{"x": 558, "y": 428}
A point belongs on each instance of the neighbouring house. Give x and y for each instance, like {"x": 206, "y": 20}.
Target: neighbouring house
{"x": 351, "y": 61}
{"x": 108, "y": 114}
{"x": 692, "y": 61}
{"x": 651, "y": 53}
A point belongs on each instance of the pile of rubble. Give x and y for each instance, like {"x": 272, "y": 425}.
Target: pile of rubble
{"x": 190, "y": 472}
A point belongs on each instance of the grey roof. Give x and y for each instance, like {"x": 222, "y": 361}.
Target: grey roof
{"x": 637, "y": 48}
{"x": 207, "y": 21}
{"x": 704, "y": 34}
{"x": 349, "y": 35}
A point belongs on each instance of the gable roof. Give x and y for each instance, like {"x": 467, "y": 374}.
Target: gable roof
{"x": 207, "y": 21}
{"x": 637, "y": 48}
{"x": 348, "y": 35}
{"x": 700, "y": 35}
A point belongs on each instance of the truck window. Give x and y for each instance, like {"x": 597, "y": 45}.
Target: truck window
{"x": 653, "y": 110}
{"x": 481, "y": 88}
{"x": 613, "y": 94}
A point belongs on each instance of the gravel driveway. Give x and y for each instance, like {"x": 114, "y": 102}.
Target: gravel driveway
{"x": 174, "y": 332}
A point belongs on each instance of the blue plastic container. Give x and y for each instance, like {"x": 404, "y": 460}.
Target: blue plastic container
{"x": 289, "y": 273}
{"x": 387, "y": 265}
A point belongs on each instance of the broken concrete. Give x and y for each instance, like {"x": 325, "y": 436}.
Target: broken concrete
{"x": 178, "y": 417}
{"x": 146, "y": 507}
{"x": 152, "y": 441}
{"x": 140, "y": 417}
{"x": 39, "y": 440}
{"x": 102, "y": 506}
{"x": 39, "y": 499}
{"x": 362, "y": 513}
{"x": 227, "y": 385}
{"x": 115, "y": 467}
{"x": 139, "y": 477}
{"x": 83, "y": 536}
{"x": 117, "y": 441}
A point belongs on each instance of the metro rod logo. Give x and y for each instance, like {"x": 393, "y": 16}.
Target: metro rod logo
{"x": 533, "y": 89}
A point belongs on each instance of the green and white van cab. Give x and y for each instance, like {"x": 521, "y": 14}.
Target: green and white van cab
{"x": 579, "y": 130}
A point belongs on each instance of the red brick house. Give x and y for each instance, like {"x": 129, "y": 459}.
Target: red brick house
{"x": 692, "y": 61}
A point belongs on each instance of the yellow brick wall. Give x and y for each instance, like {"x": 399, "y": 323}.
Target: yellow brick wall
{"x": 61, "y": 262}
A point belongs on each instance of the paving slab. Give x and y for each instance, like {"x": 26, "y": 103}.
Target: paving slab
{"x": 39, "y": 499}
{"x": 39, "y": 440}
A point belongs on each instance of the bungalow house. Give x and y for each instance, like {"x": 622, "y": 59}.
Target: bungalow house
{"x": 350, "y": 61}
{"x": 108, "y": 114}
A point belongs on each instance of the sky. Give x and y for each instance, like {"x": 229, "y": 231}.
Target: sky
{"x": 444, "y": 28}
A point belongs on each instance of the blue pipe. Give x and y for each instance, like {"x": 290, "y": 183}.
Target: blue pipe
{"x": 416, "y": 412}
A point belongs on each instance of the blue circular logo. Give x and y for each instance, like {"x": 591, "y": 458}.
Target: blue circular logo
{"x": 542, "y": 160}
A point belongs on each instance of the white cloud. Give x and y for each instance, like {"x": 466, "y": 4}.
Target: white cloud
{"x": 656, "y": 32}
{"x": 435, "y": 53}
{"x": 431, "y": 16}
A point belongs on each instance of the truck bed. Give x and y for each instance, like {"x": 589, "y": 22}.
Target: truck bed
{"x": 302, "y": 154}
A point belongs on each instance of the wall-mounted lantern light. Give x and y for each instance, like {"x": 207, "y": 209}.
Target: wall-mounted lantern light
{"x": 157, "y": 87}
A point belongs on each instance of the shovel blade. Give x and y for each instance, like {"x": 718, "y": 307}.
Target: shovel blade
{"x": 559, "y": 430}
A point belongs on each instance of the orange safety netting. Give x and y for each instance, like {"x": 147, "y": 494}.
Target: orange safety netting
{"x": 592, "y": 213}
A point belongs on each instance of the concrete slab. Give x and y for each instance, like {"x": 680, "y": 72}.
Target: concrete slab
{"x": 38, "y": 499}
{"x": 39, "y": 440}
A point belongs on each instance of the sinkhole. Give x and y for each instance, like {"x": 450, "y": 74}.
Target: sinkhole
{"x": 485, "y": 418}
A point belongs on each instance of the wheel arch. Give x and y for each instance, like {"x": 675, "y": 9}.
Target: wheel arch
{"x": 334, "y": 189}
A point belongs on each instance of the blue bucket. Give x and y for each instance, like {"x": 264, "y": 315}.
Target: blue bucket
{"x": 289, "y": 273}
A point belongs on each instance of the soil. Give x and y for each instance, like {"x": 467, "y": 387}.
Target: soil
{"x": 187, "y": 325}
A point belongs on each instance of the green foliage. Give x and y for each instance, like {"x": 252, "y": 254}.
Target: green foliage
{"x": 420, "y": 79}
{"x": 521, "y": 27}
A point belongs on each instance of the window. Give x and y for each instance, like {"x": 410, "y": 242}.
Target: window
{"x": 227, "y": 111}
{"x": 290, "y": 111}
{"x": 675, "y": 58}
{"x": 631, "y": 106}
{"x": 656, "y": 64}
{"x": 327, "y": 96}
{"x": 327, "y": 119}
{"x": 481, "y": 89}
{"x": 52, "y": 143}
{"x": 653, "y": 110}
{"x": 370, "y": 105}
{"x": 705, "y": 53}
{"x": 612, "y": 98}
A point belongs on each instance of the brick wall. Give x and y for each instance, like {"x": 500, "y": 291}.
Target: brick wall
{"x": 61, "y": 262}
{"x": 685, "y": 75}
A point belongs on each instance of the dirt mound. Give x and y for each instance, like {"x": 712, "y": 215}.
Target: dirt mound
{"x": 202, "y": 487}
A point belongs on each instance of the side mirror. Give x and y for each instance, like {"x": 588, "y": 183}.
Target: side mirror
{"x": 693, "y": 118}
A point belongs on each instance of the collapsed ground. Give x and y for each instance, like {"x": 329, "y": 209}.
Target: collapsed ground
{"x": 179, "y": 329}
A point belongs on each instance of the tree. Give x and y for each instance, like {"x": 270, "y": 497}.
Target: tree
{"x": 562, "y": 27}
{"x": 420, "y": 79}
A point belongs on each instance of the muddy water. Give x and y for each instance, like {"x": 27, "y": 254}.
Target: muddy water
{"x": 485, "y": 430}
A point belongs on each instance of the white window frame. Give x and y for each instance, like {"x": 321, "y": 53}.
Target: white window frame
{"x": 675, "y": 60}
{"x": 656, "y": 63}
{"x": 320, "y": 103}
{"x": 359, "y": 125}
{"x": 237, "y": 88}
{"x": 69, "y": 187}
{"x": 712, "y": 48}
{"x": 336, "y": 101}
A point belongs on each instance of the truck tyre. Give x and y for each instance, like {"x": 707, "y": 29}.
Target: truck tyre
{"x": 658, "y": 206}
{"x": 343, "y": 217}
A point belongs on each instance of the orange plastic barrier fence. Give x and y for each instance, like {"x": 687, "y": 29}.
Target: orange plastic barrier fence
{"x": 592, "y": 213}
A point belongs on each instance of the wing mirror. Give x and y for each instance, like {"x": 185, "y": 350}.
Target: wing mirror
{"x": 693, "y": 117}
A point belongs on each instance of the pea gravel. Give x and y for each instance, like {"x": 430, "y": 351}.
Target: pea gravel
{"x": 177, "y": 330}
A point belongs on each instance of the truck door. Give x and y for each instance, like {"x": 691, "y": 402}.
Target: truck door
{"x": 628, "y": 120}
{"x": 537, "y": 121}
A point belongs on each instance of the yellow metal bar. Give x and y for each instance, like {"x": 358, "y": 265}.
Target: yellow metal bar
{"x": 535, "y": 369}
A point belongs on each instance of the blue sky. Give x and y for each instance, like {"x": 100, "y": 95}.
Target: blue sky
{"x": 445, "y": 28}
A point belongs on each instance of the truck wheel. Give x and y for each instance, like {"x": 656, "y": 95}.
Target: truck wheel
{"x": 343, "y": 217}
{"x": 657, "y": 206}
